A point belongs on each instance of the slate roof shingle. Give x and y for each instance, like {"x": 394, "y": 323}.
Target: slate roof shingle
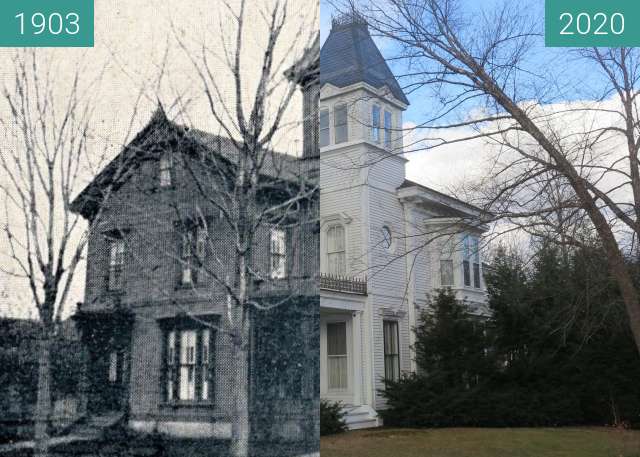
{"x": 349, "y": 56}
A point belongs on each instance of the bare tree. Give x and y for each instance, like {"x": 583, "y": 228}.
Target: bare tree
{"x": 48, "y": 151}
{"x": 555, "y": 164}
{"x": 253, "y": 188}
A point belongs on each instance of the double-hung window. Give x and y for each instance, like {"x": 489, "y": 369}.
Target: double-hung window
{"x": 278, "y": 253}
{"x": 466, "y": 260}
{"x": 387, "y": 129}
{"x": 475, "y": 246}
{"x": 188, "y": 365}
{"x": 391, "y": 351}
{"x": 325, "y": 136}
{"x": 336, "y": 251}
{"x": 446, "y": 265}
{"x": 116, "y": 263}
{"x": 340, "y": 123}
{"x": 192, "y": 254}
{"x": 375, "y": 123}
{"x": 337, "y": 358}
{"x": 471, "y": 261}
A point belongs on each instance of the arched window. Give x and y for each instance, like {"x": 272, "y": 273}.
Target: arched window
{"x": 336, "y": 251}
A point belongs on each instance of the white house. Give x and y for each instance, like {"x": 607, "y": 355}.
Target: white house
{"x": 386, "y": 242}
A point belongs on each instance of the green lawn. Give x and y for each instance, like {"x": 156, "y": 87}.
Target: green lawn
{"x": 474, "y": 442}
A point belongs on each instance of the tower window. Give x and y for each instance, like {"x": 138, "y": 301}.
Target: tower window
{"x": 387, "y": 129}
{"x": 340, "y": 123}
{"x": 324, "y": 128}
{"x": 375, "y": 123}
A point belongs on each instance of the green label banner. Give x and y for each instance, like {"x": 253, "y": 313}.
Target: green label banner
{"x": 46, "y": 23}
{"x": 587, "y": 23}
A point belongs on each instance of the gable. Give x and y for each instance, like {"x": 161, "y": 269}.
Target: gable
{"x": 164, "y": 136}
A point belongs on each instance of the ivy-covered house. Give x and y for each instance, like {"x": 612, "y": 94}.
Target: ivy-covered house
{"x": 155, "y": 347}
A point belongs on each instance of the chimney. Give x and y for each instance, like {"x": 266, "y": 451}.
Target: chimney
{"x": 306, "y": 73}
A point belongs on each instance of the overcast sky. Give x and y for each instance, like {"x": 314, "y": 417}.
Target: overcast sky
{"x": 131, "y": 40}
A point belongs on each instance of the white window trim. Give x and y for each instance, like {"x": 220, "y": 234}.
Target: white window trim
{"x": 398, "y": 343}
{"x": 337, "y": 394}
{"x": 326, "y": 224}
{"x": 394, "y": 236}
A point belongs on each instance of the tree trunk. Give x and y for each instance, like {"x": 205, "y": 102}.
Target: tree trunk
{"x": 629, "y": 294}
{"x": 43, "y": 402}
{"x": 240, "y": 424}
{"x": 615, "y": 258}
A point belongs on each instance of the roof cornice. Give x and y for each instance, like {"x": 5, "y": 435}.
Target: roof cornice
{"x": 383, "y": 92}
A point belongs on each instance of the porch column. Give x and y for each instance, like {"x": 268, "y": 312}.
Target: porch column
{"x": 357, "y": 358}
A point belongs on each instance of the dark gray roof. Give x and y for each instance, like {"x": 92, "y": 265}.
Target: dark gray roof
{"x": 349, "y": 56}
{"x": 278, "y": 166}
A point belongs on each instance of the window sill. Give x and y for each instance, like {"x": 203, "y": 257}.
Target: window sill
{"x": 187, "y": 404}
{"x": 114, "y": 292}
{"x": 192, "y": 286}
{"x": 463, "y": 288}
{"x": 158, "y": 188}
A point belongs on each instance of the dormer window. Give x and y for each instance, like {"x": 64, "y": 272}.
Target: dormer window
{"x": 166, "y": 165}
{"x": 325, "y": 136}
{"x": 387, "y": 129}
{"x": 375, "y": 123}
{"x": 341, "y": 128}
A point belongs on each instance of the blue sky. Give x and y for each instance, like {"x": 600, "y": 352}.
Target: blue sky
{"x": 579, "y": 80}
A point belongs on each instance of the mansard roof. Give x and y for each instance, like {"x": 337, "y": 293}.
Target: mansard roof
{"x": 163, "y": 135}
{"x": 350, "y": 56}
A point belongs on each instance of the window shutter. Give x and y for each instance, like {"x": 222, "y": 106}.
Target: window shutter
{"x": 198, "y": 366}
